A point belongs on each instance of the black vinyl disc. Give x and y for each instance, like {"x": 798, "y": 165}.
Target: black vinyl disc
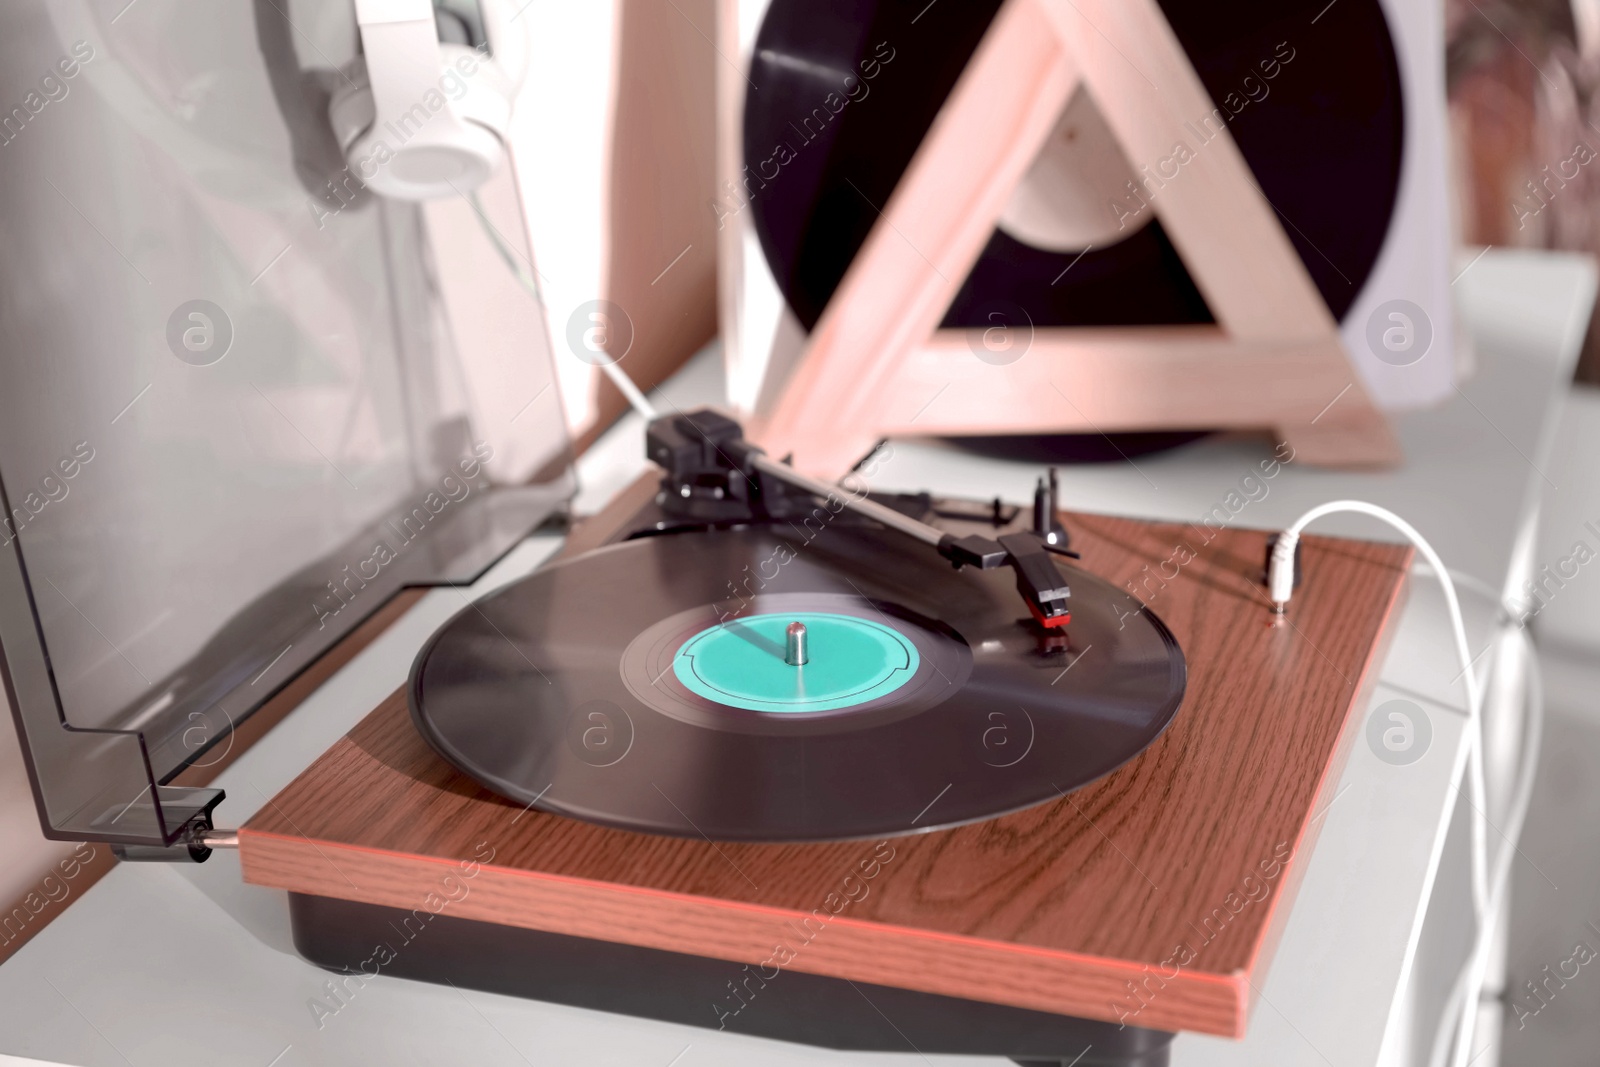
{"x": 582, "y": 689}
{"x": 843, "y": 91}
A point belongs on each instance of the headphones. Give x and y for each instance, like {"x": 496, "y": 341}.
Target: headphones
{"x": 426, "y": 108}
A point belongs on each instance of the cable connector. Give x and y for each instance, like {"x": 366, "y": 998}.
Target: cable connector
{"x": 1281, "y": 568}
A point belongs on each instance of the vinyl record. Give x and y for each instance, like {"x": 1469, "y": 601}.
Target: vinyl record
{"x": 644, "y": 686}
{"x": 843, "y": 91}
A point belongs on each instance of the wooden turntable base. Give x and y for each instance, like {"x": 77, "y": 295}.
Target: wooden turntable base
{"x": 1153, "y": 897}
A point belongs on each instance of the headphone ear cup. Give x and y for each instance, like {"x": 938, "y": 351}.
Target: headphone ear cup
{"x": 448, "y": 141}
{"x": 476, "y": 89}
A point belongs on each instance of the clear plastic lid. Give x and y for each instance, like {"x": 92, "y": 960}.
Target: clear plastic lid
{"x": 233, "y": 418}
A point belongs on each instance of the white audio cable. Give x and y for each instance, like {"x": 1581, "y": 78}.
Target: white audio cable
{"x": 1458, "y": 1012}
{"x": 1488, "y": 889}
{"x": 619, "y": 377}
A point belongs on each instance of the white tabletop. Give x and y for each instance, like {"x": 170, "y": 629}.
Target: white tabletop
{"x": 163, "y": 964}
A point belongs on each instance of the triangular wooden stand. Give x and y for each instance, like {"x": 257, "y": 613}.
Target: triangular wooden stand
{"x": 877, "y": 365}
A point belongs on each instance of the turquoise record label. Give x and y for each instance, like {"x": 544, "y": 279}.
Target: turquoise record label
{"x": 740, "y": 663}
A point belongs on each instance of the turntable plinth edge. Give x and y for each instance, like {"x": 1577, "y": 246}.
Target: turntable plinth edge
{"x": 1153, "y": 897}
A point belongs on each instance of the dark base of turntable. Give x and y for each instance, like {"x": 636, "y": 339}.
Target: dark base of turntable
{"x": 697, "y": 991}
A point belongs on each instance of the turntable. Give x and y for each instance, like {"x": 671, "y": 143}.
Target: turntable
{"x": 754, "y": 758}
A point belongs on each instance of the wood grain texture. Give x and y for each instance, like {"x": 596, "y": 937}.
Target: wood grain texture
{"x": 1077, "y": 906}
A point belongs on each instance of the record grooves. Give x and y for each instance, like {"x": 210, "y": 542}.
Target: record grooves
{"x": 934, "y": 700}
{"x": 1322, "y": 133}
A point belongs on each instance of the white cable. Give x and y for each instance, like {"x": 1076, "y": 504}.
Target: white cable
{"x": 1280, "y": 580}
{"x": 618, "y": 376}
{"x": 1457, "y": 1014}
{"x": 529, "y": 282}
{"x": 1487, "y": 890}
{"x": 625, "y": 386}
{"x": 1459, "y": 1009}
